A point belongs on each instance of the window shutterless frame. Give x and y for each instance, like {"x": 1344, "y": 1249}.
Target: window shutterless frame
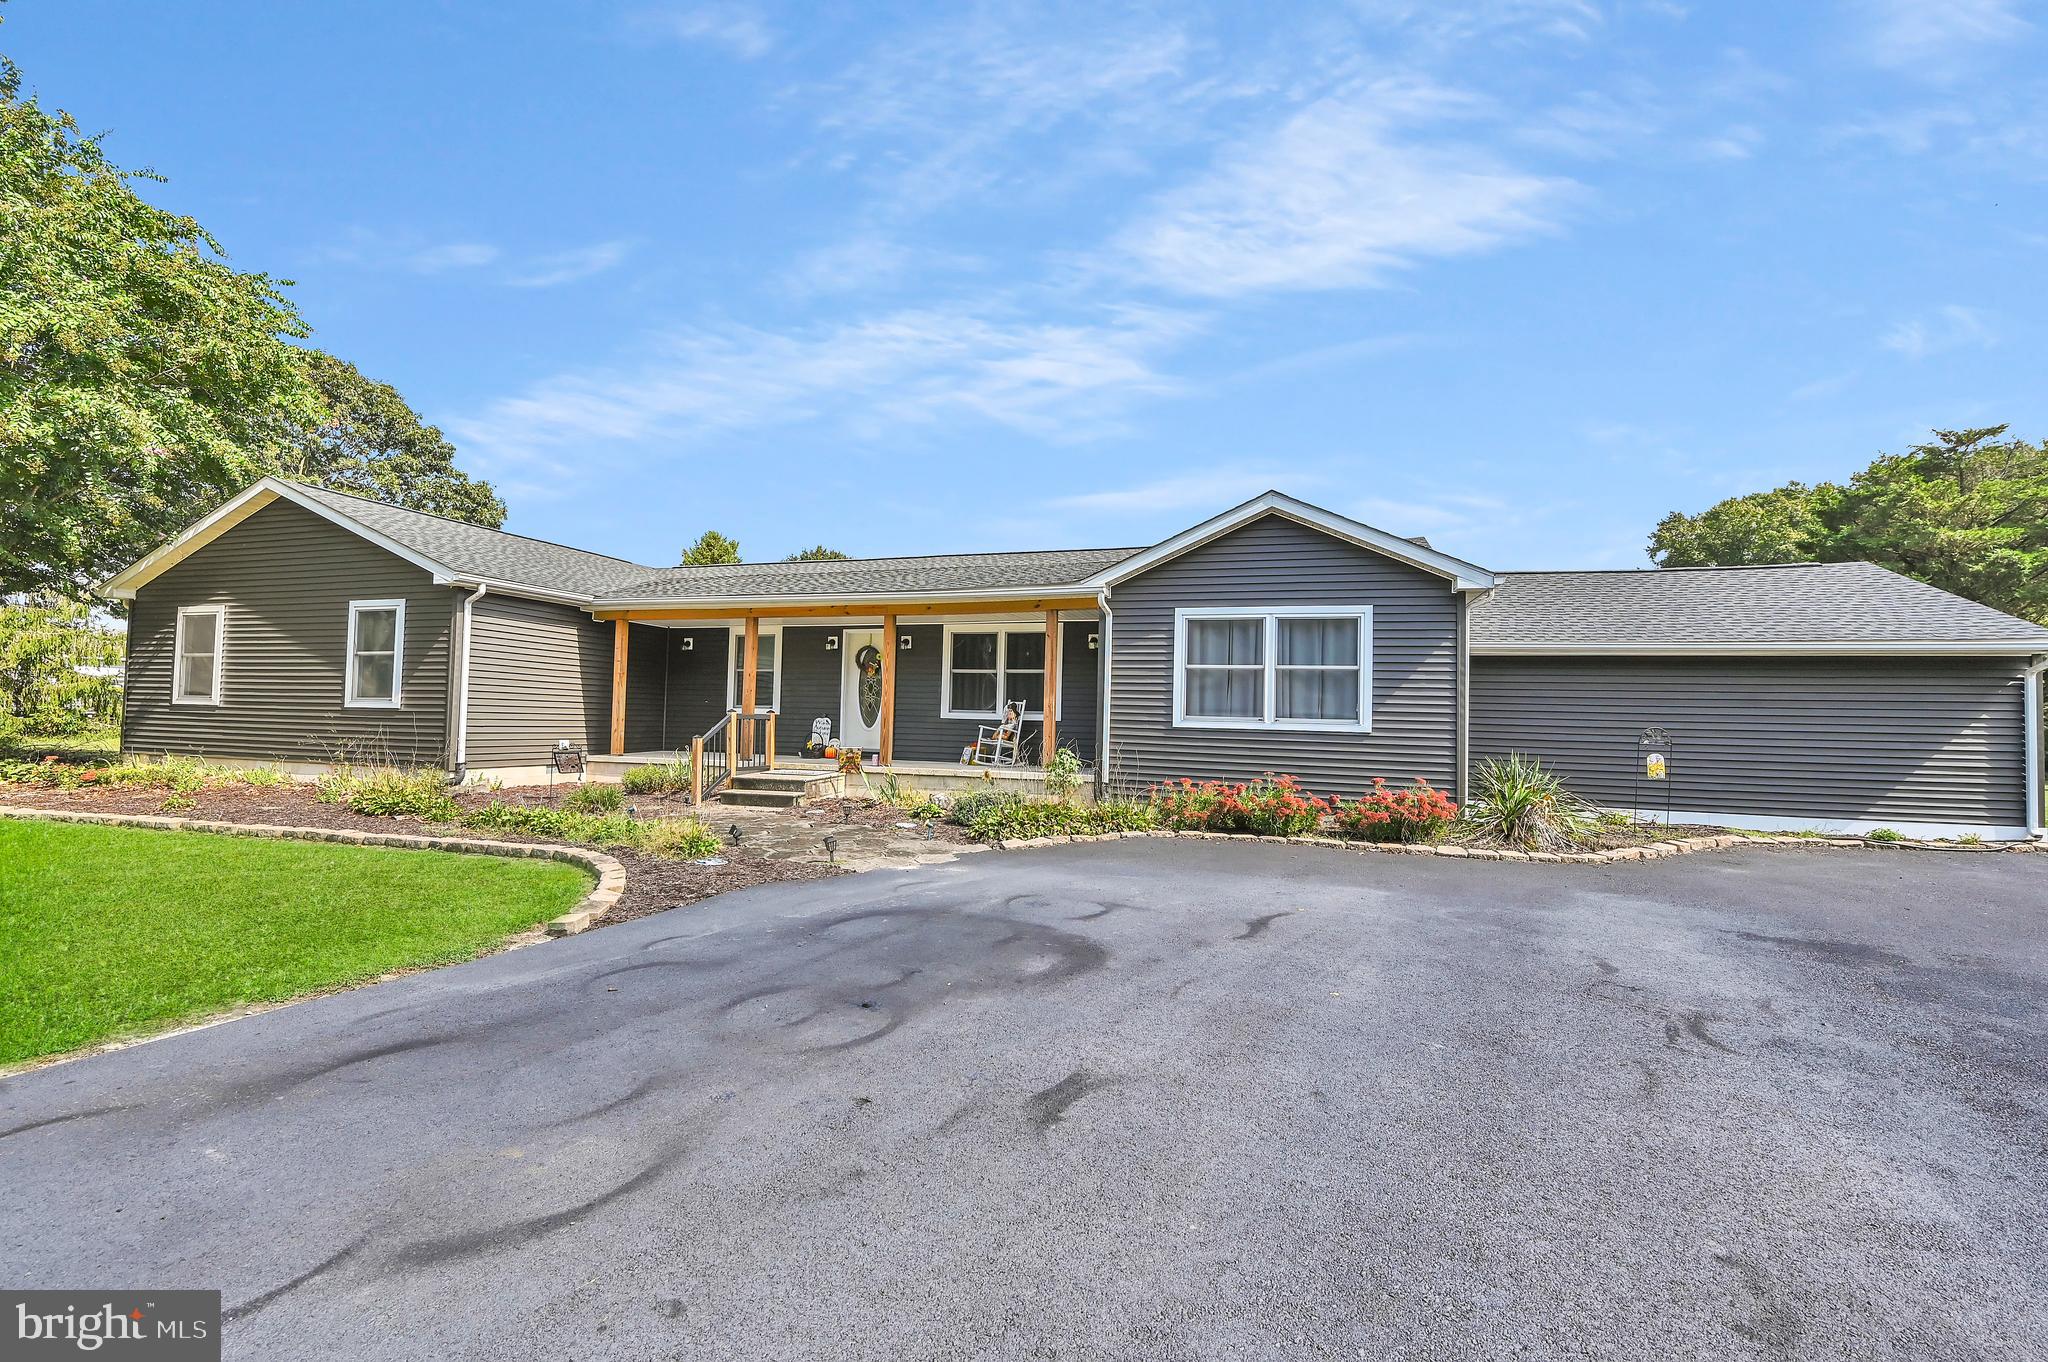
{"x": 736, "y": 649}
{"x": 356, "y": 651}
{"x": 193, "y": 642}
{"x": 1268, "y": 667}
{"x": 1002, "y": 670}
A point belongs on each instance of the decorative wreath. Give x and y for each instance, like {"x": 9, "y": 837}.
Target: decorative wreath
{"x": 868, "y": 659}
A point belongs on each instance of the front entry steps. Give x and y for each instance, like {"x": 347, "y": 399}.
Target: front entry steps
{"x": 782, "y": 789}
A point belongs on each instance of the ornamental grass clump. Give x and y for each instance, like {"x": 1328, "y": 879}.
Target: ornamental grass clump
{"x": 665, "y": 777}
{"x": 678, "y": 839}
{"x": 1419, "y": 813}
{"x": 1523, "y": 804}
{"x": 595, "y": 799}
{"x": 388, "y": 792}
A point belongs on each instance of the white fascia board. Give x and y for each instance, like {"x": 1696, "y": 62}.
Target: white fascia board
{"x": 1828, "y": 648}
{"x": 124, "y": 584}
{"x": 766, "y": 605}
{"x": 1464, "y": 576}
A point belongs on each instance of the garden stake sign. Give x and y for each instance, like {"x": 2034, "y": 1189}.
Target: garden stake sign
{"x": 1653, "y": 764}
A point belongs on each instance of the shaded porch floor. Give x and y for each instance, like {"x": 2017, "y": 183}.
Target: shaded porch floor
{"x": 948, "y": 776}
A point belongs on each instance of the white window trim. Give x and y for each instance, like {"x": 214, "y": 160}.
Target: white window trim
{"x": 736, "y": 637}
{"x": 1271, "y": 615}
{"x": 220, "y": 654}
{"x": 349, "y": 699}
{"x": 946, "y": 710}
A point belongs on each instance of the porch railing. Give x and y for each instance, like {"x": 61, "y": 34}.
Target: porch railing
{"x": 737, "y": 742}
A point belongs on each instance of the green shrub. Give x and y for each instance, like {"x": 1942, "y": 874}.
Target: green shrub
{"x": 1063, "y": 772}
{"x": 966, "y": 808}
{"x": 1884, "y": 835}
{"x": 604, "y": 830}
{"x": 388, "y": 792}
{"x": 678, "y": 839}
{"x": 1524, "y": 805}
{"x": 595, "y": 799}
{"x": 668, "y": 777}
{"x": 1016, "y": 819}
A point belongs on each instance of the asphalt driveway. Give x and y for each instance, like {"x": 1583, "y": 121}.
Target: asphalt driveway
{"x": 1145, "y": 1099}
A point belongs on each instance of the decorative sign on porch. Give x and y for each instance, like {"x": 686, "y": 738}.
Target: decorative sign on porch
{"x": 869, "y": 661}
{"x": 1653, "y": 763}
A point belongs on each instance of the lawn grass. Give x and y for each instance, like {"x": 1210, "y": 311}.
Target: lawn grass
{"x": 111, "y": 931}
{"x": 94, "y": 747}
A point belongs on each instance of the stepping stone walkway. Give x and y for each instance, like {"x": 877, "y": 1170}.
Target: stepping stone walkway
{"x": 799, "y": 835}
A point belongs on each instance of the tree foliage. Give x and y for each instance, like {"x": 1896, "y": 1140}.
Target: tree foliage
{"x": 710, "y": 550}
{"x": 819, "y": 554}
{"x": 1967, "y": 512}
{"x": 57, "y": 666}
{"x": 143, "y": 381}
{"x": 368, "y": 441}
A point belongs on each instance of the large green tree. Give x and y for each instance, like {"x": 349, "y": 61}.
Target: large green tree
{"x": 817, "y": 554}
{"x": 142, "y": 380}
{"x": 58, "y": 666}
{"x": 1967, "y": 512}
{"x": 368, "y": 441}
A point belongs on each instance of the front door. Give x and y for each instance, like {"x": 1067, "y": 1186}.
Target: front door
{"x": 860, "y": 688}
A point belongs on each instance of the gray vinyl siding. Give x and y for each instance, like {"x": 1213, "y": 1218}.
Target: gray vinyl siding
{"x": 286, "y": 576}
{"x": 696, "y": 684}
{"x": 810, "y": 686}
{"x": 1274, "y": 561}
{"x": 539, "y": 673}
{"x": 1918, "y": 740}
{"x": 647, "y": 658}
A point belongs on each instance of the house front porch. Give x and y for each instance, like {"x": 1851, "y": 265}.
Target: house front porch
{"x": 934, "y": 777}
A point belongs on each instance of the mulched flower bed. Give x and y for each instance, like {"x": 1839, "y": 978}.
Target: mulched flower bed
{"x": 652, "y": 883}
{"x": 868, "y": 813}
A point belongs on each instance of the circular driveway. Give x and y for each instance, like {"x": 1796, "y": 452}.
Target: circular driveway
{"x": 1140, "y": 1099}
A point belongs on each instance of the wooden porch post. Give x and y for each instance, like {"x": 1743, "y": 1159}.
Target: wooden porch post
{"x": 620, "y": 631}
{"x": 1048, "y": 743}
{"x": 888, "y": 735}
{"x": 750, "y": 661}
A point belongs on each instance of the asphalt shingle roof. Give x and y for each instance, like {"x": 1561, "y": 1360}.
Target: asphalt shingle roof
{"x": 475, "y": 551}
{"x": 876, "y": 576}
{"x": 1793, "y": 603}
{"x": 1834, "y": 603}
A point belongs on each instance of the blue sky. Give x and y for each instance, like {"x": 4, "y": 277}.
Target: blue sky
{"x": 1519, "y": 275}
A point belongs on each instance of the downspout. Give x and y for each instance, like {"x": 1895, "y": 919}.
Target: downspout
{"x": 1461, "y": 741}
{"x": 2031, "y": 679}
{"x": 1102, "y": 708}
{"x": 460, "y": 770}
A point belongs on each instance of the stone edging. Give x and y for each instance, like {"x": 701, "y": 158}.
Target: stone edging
{"x": 1678, "y": 846}
{"x": 611, "y": 876}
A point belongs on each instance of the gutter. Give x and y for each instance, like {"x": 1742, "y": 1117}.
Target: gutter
{"x": 1102, "y": 705}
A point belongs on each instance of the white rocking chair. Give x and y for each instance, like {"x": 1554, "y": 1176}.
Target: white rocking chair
{"x": 997, "y": 744}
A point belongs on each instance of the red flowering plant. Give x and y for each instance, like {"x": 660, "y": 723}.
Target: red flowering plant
{"x": 1271, "y": 806}
{"x": 1419, "y": 813}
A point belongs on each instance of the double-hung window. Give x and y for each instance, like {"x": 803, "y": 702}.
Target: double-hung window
{"x": 376, "y": 653}
{"x": 988, "y": 666}
{"x": 1303, "y": 667}
{"x": 197, "y": 654}
{"x": 767, "y": 675}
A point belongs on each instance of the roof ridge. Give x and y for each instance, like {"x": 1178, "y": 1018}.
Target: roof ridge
{"x": 891, "y": 558}
{"x": 466, "y": 524}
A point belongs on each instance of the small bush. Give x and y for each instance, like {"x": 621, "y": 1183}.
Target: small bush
{"x": 1419, "y": 813}
{"x": 668, "y": 777}
{"x": 966, "y": 808}
{"x": 1971, "y": 839}
{"x": 388, "y": 792}
{"x": 1525, "y": 805}
{"x": 678, "y": 839}
{"x": 1015, "y": 819}
{"x": 604, "y": 830}
{"x": 595, "y": 799}
{"x": 1884, "y": 835}
{"x": 1063, "y": 773}
{"x": 1271, "y": 806}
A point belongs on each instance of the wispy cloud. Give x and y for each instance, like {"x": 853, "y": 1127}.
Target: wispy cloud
{"x": 1951, "y": 327}
{"x": 412, "y": 254}
{"x": 1459, "y": 21}
{"x": 740, "y": 29}
{"x": 1342, "y": 194}
{"x": 889, "y": 373}
{"x": 1209, "y": 490}
{"x": 1931, "y": 37}
{"x": 1736, "y": 143}
{"x": 566, "y": 267}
